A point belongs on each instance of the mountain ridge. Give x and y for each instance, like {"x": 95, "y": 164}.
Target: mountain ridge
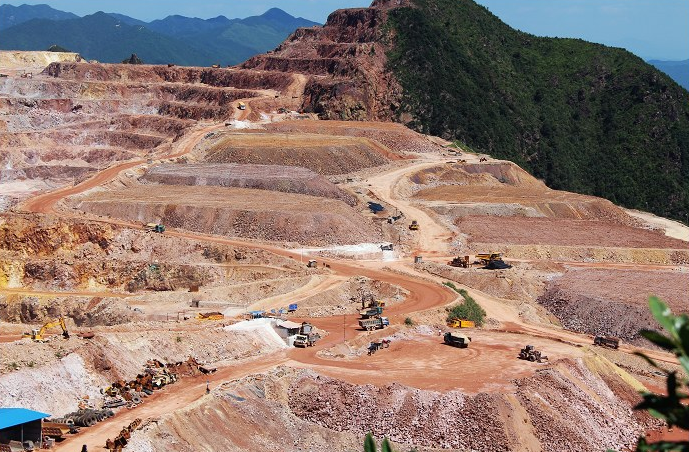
{"x": 174, "y": 39}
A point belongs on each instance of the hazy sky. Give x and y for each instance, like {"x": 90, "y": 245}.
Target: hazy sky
{"x": 650, "y": 28}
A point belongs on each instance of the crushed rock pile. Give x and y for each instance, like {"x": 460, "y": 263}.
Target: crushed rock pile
{"x": 613, "y": 302}
{"x": 570, "y": 407}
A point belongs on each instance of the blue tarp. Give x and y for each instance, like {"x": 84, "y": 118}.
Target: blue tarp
{"x": 9, "y": 417}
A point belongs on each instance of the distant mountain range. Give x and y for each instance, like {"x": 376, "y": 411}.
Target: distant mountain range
{"x": 112, "y": 37}
{"x": 678, "y": 70}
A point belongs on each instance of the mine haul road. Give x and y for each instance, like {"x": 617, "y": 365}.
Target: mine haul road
{"x": 424, "y": 292}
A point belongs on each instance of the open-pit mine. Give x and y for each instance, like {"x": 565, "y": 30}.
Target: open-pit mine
{"x": 188, "y": 244}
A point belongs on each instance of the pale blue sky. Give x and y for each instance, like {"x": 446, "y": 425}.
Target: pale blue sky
{"x": 650, "y": 28}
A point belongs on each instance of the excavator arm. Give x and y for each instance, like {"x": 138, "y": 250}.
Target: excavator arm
{"x": 38, "y": 335}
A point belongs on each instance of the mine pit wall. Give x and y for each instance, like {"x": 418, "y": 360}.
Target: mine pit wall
{"x": 236, "y": 78}
{"x": 574, "y": 405}
{"x": 46, "y": 253}
{"x": 310, "y": 228}
{"x": 83, "y": 310}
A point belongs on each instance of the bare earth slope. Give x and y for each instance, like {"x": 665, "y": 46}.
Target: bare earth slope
{"x": 240, "y": 212}
{"x": 265, "y": 177}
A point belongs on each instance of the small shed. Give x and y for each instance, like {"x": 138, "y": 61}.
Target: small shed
{"x": 20, "y": 424}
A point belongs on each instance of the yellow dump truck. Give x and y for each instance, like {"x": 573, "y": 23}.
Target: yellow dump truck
{"x": 461, "y": 323}
{"x": 241, "y": 106}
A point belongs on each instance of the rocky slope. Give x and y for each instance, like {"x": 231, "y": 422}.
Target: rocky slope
{"x": 570, "y": 392}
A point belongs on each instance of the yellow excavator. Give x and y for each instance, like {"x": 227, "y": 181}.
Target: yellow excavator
{"x": 38, "y": 335}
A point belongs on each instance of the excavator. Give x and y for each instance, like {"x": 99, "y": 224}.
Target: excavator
{"x": 38, "y": 335}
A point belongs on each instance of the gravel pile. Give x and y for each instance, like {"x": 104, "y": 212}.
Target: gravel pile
{"x": 567, "y": 408}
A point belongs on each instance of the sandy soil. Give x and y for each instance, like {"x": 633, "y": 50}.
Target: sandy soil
{"x": 672, "y": 228}
{"x": 522, "y": 231}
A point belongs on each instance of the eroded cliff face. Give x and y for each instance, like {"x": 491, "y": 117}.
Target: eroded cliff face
{"x": 346, "y": 64}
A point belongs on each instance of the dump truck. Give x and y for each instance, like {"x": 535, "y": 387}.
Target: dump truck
{"x": 155, "y": 227}
{"x": 457, "y": 340}
{"x": 38, "y": 335}
{"x": 529, "y": 353}
{"x": 312, "y": 264}
{"x": 386, "y": 247}
{"x": 461, "y": 323}
{"x": 460, "y": 261}
{"x": 484, "y": 258}
{"x": 241, "y": 106}
{"x": 606, "y": 341}
{"x": 306, "y": 340}
{"x": 414, "y": 226}
{"x": 373, "y": 312}
{"x": 374, "y": 324}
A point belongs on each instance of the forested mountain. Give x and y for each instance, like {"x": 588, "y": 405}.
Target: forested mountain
{"x": 110, "y": 37}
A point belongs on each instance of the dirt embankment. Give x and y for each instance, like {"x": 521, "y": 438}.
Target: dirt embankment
{"x": 288, "y": 179}
{"x": 563, "y": 232}
{"x": 503, "y": 189}
{"x": 394, "y": 137}
{"x": 565, "y": 407}
{"x": 323, "y": 155}
{"x": 257, "y": 214}
{"x": 613, "y": 302}
{"x": 346, "y": 298}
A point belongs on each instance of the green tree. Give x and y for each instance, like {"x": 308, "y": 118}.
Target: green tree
{"x": 668, "y": 407}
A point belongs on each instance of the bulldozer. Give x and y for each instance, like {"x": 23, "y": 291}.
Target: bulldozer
{"x": 529, "y": 353}
{"x": 459, "y": 261}
{"x": 210, "y": 316}
{"x": 414, "y": 226}
{"x": 38, "y": 335}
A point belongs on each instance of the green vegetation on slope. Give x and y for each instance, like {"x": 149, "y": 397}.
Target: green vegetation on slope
{"x": 467, "y": 310}
{"x": 581, "y": 116}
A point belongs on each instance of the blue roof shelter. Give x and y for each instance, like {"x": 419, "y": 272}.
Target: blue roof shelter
{"x": 20, "y": 424}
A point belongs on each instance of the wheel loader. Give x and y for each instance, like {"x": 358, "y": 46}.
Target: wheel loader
{"x": 529, "y": 353}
